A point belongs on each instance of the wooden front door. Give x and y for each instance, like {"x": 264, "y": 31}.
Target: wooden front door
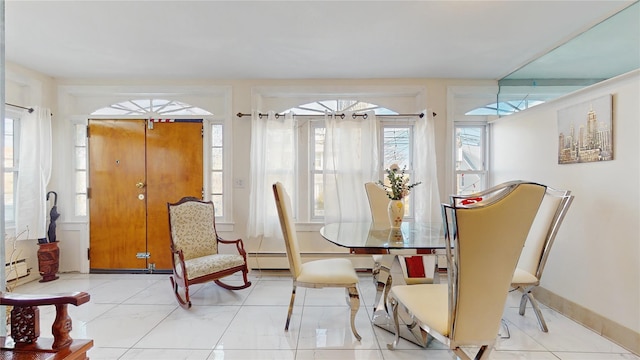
{"x": 134, "y": 170}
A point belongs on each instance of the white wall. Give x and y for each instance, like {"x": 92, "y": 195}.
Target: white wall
{"x": 595, "y": 261}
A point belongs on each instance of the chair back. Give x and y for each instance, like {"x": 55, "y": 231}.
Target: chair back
{"x": 487, "y": 239}
{"x": 488, "y": 195}
{"x": 192, "y": 227}
{"x": 554, "y": 207}
{"x": 378, "y": 203}
{"x": 285, "y": 214}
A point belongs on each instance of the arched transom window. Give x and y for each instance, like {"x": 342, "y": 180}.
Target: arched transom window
{"x": 151, "y": 106}
{"x": 338, "y": 106}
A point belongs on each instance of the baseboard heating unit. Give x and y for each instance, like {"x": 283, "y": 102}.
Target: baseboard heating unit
{"x": 17, "y": 269}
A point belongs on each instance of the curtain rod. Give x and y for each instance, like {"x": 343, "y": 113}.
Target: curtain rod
{"x": 260, "y": 115}
{"x": 30, "y": 110}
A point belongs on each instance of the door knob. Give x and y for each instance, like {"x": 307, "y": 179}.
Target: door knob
{"x": 140, "y": 185}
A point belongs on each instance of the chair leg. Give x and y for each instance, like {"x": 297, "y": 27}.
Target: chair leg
{"x": 394, "y": 315}
{"x": 528, "y": 295}
{"x": 382, "y": 290}
{"x": 354, "y": 304}
{"x": 482, "y": 354}
{"x": 536, "y": 309}
{"x": 293, "y": 299}
{"x": 523, "y": 303}
{"x": 184, "y": 302}
{"x": 387, "y": 288}
{"x": 505, "y": 326}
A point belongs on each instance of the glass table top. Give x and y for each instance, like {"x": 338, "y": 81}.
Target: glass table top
{"x": 410, "y": 235}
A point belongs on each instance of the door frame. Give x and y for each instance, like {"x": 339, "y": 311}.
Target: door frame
{"x": 225, "y": 224}
{"x": 76, "y": 103}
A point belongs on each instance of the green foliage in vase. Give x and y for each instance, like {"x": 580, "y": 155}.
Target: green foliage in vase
{"x": 398, "y": 186}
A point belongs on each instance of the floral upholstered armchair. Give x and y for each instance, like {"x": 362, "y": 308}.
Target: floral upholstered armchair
{"x": 194, "y": 248}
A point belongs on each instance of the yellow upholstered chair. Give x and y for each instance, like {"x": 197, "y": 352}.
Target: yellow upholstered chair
{"x": 381, "y": 270}
{"x": 536, "y": 249}
{"x": 194, "y": 248}
{"x": 378, "y": 204}
{"x": 533, "y": 258}
{"x": 318, "y": 273}
{"x": 483, "y": 246}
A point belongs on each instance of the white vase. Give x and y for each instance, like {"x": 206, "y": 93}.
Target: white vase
{"x": 395, "y": 236}
{"x": 396, "y": 213}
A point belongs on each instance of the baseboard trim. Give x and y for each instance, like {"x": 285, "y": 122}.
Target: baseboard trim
{"x": 607, "y": 328}
{"x": 278, "y": 261}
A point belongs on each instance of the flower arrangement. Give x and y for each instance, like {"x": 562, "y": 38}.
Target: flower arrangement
{"x": 399, "y": 186}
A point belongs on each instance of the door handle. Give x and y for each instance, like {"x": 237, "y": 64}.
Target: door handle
{"x": 140, "y": 185}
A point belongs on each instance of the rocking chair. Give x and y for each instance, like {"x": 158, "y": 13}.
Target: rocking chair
{"x": 194, "y": 246}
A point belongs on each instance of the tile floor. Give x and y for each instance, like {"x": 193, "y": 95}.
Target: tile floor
{"x": 137, "y": 317}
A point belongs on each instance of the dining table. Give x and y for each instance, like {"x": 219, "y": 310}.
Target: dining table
{"x": 386, "y": 243}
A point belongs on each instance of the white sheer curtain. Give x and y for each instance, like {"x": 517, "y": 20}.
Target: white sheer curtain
{"x": 34, "y": 172}
{"x": 426, "y": 196}
{"x": 273, "y": 158}
{"x": 350, "y": 160}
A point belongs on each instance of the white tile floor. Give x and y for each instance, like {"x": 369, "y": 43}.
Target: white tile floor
{"x": 137, "y": 317}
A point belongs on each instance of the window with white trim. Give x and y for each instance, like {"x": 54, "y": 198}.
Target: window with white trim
{"x": 217, "y": 167}
{"x": 150, "y": 107}
{"x": 80, "y": 169}
{"x": 396, "y": 145}
{"x": 11, "y": 156}
{"x": 397, "y": 148}
{"x": 470, "y": 153}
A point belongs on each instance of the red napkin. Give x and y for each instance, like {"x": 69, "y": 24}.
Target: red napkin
{"x": 415, "y": 266}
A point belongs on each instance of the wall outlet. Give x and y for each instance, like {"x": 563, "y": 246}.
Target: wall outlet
{"x": 238, "y": 183}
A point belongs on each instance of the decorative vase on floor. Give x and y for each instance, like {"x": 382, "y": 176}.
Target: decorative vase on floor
{"x": 396, "y": 213}
{"x": 48, "y": 260}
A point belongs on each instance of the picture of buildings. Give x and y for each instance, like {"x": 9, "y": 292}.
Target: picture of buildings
{"x": 584, "y": 132}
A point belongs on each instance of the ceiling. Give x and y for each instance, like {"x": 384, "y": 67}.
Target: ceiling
{"x": 293, "y": 39}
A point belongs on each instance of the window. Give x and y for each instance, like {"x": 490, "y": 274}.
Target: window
{"x": 11, "y": 153}
{"x": 504, "y": 108}
{"x": 397, "y": 148}
{"x": 80, "y": 156}
{"x": 217, "y": 165}
{"x": 470, "y": 158}
{"x": 317, "y": 198}
{"x": 396, "y": 139}
{"x": 150, "y": 107}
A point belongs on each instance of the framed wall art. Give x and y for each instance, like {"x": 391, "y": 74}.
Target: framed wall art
{"x": 585, "y": 132}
